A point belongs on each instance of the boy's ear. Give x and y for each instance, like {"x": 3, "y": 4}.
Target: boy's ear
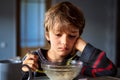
{"x": 47, "y": 36}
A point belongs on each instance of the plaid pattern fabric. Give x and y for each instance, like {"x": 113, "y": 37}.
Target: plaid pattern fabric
{"x": 95, "y": 61}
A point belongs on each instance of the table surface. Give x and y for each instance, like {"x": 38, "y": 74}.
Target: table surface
{"x": 85, "y": 78}
{"x": 104, "y": 78}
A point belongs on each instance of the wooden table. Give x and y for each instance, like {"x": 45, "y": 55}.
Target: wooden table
{"x": 101, "y": 78}
{"x": 85, "y": 78}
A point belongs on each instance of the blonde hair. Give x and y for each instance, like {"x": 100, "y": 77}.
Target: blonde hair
{"x": 64, "y": 12}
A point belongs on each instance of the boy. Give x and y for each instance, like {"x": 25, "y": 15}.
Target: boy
{"x": 64, "y": 24}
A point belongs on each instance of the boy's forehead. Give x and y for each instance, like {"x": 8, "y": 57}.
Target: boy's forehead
{"x": 64, "y": 27}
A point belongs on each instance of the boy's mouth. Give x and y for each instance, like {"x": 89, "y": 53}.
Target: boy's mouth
{"x": 63, "y": 48}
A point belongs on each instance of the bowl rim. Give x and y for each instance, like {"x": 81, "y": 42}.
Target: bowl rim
{"x": 49, "y": 65}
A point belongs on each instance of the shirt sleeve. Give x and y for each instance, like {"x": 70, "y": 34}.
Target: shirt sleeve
{"x": 96, "y": 63}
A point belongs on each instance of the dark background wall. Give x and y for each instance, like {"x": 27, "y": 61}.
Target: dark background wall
{"x": 118, "y": 34}
{"x": 7, "y": 29}
{"x": 101, "y": 28}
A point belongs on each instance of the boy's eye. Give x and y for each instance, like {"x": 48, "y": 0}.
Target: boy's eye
{"x": 72, "y": 36}
{"x": 58, "y": 34}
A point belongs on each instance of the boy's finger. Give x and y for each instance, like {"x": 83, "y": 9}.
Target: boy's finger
{"x": 32, "y": 57}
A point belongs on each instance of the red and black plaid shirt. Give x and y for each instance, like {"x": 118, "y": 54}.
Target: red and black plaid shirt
{"x": 95, "y": 61}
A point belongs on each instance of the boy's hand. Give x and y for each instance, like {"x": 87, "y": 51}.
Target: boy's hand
{"x": 80, "y": 44}
{"x": 32, "y": 61}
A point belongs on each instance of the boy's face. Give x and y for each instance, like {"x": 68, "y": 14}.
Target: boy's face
{"x": 62, "y": 39}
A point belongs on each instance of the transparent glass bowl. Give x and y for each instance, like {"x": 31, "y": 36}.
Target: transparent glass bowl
{"x": 62, "y": 72}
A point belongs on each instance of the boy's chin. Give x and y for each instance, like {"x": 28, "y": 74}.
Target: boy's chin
{"x": 63, "y": 54}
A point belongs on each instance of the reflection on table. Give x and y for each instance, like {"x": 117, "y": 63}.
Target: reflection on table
{"x": 104, "y": 78}
{"x": 83, "y": 78}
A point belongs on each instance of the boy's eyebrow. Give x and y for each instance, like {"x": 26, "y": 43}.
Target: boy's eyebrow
{"x": 73, "y": 31}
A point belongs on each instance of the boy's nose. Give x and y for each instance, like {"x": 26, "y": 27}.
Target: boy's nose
{"x": 64, "y": 40}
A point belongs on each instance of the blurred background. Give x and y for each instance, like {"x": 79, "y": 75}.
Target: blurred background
{"x": 21, "y": 26}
